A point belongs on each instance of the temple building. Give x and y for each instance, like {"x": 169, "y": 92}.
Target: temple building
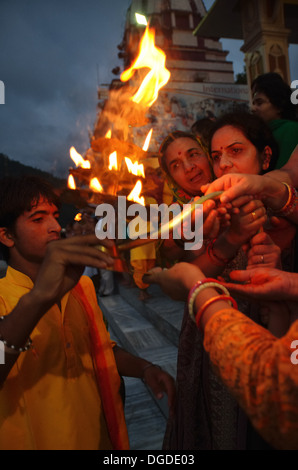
{"x": 267, "y": 27}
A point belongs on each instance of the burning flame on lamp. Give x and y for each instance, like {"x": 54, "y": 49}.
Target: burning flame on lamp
{"x": 78, "y": 159}
{"x": 135, "y": 168}
{"x": 135, "y": 194}
{"x": 147, "y": 141}
{"x": 158, "y": 76}
{"x": 96, "y": 186}
{"x": 155, "y": 59}
{"x": 71, "y": 182}
{"x": 113, "y": 163}
{"x": 78, "y": 217}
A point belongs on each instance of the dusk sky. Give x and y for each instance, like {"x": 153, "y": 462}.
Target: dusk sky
{"x": 53, "y": 55}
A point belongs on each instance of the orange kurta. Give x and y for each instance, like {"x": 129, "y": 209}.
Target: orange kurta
{"x": 259, "y": 370}
{"x": 51, "y": 398}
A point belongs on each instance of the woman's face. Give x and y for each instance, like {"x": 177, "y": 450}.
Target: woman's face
{"x": 262, "y": 107}
{"x": 188, "y": 165}
{"x": 232, "y": 152}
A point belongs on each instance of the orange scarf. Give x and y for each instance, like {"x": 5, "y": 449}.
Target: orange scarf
{"x": 108, "y": 380}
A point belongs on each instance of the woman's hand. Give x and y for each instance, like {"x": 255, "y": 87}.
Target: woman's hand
{"x": 264, "y": 283}
{"x": 271, "y": 191}
{"x": 263, "y": 252}
{"x": 176, "y": 281}
{"x": 246, "y": 223}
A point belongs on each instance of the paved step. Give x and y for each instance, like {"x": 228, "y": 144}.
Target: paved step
{"x": 164, "y": 313}
{"x": 137, "y": 334}
{"x": 146, "y": 424}
{"x": 150, "y": 330}
{"x": 145, "y": 421}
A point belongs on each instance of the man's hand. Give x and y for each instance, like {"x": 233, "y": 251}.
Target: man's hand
{"x": 161, "y": 382}
{"x": 64, "y": 264}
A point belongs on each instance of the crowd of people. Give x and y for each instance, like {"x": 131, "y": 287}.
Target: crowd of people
{"x": 237, "y": 374}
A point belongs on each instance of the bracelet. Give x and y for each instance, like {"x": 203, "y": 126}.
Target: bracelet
{"x": 290, "y": 205}
{"x": 210, "y": 302}
{"x": 198, "y": 287}
{"x": 215, "y": 259}
{"x": 11, "y": 349}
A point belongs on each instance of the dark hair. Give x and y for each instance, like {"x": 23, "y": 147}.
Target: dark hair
{"x": 255, "y": 130}
{"x": 18, "y": 195}
{"x": 278, "y": 92}
{"x": 202, "y": 128}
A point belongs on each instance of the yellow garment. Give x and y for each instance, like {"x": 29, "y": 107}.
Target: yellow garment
{"x": 143, "y": 252}
{"x": 50, "y": 399}
{"x": 143, "y": 258}
{"x": 141, "y": 267}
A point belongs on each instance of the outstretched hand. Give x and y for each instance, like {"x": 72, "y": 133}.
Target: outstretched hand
{"x": 260, "y": 283}
{"x": 176, "y": 281}
{"x": 64, "y": 264}
{"x": 263, "y": 252}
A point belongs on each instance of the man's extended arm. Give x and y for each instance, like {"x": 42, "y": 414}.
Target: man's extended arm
{"x": 60, "y": 271}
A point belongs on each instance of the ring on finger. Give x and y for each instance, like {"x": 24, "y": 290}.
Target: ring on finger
{"x": 254, "y": 216}
{"x": 262, "y": 259}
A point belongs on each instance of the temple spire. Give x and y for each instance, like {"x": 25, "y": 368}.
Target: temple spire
{"x": 189, "y": 58}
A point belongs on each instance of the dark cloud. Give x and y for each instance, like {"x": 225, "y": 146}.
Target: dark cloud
{"x": 53, "y": 55}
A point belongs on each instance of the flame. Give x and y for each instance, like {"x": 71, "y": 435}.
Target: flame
{"x": 113, "y": 164}
{"x": 108, "y": 134}
{"x": 71, "y": 182}
{"x": 78, "y": 217}
{"x": 158, "y": 76}
{"x": 135, "y": 168}
{"x": 78, "y": 159}
{"x": 96, "y": 186}
{"x": 147, "y": 141}
{"x": 135, "y": 194}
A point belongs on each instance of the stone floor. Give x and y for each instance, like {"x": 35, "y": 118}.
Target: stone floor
{"x": 150, "y": 330}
